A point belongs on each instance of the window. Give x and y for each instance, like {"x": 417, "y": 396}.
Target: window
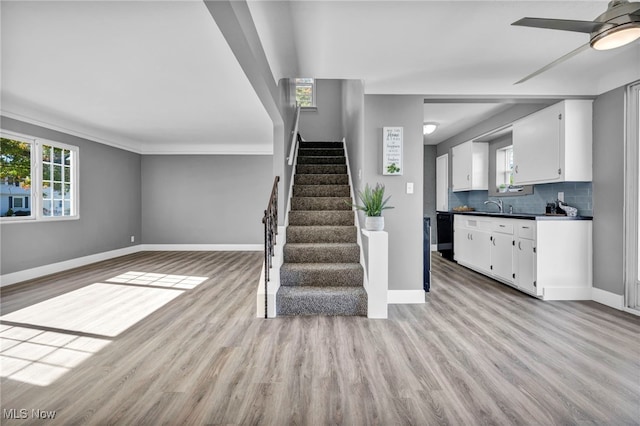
{"x": 39, "y": 179}
{"x": 504, "y": 168}
{"x": 305, "y": 92}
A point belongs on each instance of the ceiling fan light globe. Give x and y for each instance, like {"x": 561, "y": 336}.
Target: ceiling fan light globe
{"x": 429, "y": 128}
{"x": 616, "y": 37}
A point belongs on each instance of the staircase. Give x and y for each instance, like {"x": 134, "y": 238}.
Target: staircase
{"x": 321, "y": 273}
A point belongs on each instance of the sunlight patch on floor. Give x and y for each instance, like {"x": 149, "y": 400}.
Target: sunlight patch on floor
{"x": 160, "y": 280}
{"x": 33, "y": 354}
{"x": 40, "y": 357}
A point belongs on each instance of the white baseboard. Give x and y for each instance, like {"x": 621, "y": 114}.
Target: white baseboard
{"x": 567, "y": 293}
{"x": 405, "y": 297}
{"x": 201, "y": 247}
{"x": 40, "y": 271}
{"x": 52, "y": 268}
{"x": 607, "y": 298}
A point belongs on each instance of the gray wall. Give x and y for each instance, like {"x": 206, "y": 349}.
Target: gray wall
{"x": 429, "y": 184}
{"x": 324, "y": 123}
{"x": 608, "y": 191}
{"x": 109, "y": 208}
{"x": 353, "y": 127}
{"x": 206, "y": 199}
{"x": 404, "y": 222}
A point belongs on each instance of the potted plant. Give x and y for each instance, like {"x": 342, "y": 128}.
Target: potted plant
{"x": 373, "y": 203}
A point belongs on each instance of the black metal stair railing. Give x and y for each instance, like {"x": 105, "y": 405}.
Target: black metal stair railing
{"x": 270, "y": 221}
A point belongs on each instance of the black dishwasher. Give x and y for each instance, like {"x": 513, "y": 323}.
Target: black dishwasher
{"x": 444, "y": 229}
{"x": 426, "y": 252}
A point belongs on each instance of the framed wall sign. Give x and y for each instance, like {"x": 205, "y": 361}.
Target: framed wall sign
{"x": 392, "y": 151}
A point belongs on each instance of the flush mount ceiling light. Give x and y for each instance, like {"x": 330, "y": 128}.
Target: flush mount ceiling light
{"x": 429, "y": 128}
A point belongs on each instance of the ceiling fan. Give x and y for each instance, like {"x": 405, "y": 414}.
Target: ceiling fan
{"x": 617, "y": 26}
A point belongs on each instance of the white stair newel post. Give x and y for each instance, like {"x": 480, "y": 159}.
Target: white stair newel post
{"x": 377, "y": 272}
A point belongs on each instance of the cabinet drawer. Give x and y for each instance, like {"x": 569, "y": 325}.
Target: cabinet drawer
{"x": 527, "y": 230}
{"x": 503, "y": 227}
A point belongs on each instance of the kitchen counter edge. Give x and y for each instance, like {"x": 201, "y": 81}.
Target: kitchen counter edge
{"x": 527, "y": 216}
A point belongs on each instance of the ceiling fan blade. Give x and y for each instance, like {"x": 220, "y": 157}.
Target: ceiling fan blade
{"x": 556, "y": 62}
{"x": 560, "y": 24}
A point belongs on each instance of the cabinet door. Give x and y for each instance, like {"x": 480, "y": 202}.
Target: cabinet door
{"x": 461, "y": 167}
{"x": 525, "y": 262}
{"x": 502, "y": 256}
{"x": 460, "y": 244}
{"x": 480, "y": 250}
{"x": 442, "y": 183}
{"x": 537, "y": 145}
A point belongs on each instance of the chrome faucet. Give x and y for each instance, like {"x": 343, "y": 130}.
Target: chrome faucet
{"x": 497, "y": 203}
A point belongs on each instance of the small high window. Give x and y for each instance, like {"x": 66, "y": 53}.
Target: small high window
{"x": 306, "y": 92}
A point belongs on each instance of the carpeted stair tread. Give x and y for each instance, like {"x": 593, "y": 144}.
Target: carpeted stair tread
{"x": 322, "y": 234}
{"x": 321, "y": 203}
{"x": 322, "y": 160}
{"x": 321, "y": 217}
{"x": 321, "y": 253}
{"x": 320, "y": 144}
{"x": 320, "y": 152}
{"x": 323, "y": 169}
{"x": 320, "y": 179}
{"x": 322, "y": 301}
{"x": 322, "y": 274}
{"x": 321, "y": 191}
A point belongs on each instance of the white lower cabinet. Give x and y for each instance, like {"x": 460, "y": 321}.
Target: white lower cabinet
{"x": 548, "y": 258}
{"x": 502, "y": 256}
{"x": 474, "y": 239}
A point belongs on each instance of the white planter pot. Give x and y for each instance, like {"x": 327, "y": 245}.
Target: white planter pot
{"x": 374, "y": 223}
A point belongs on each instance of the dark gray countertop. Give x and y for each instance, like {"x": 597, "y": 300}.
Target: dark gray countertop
{"x": 529, "y": 216}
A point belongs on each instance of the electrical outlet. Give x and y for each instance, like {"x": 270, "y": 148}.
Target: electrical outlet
{"x": 409, "y": 187}
{"x": 133, "y": 238}
{"x": 561, "y": 196}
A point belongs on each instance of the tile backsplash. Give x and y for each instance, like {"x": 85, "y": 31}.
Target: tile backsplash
{"x": 576, "y": 194}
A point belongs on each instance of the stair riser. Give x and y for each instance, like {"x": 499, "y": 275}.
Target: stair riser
{"x": 320, "y": 203}
{"x": 318, "y": 179}
{"x": 321, "y": 234}
{"x": 321, "y": 191}
{"x": 329, "y": 217}
{"x": 322, "y": 305}
{"x": 325, "y": 169}
{"x": 322, "y": 160}
{"x": 319, "y": 254}
{"x": 321, "y": 152}
{"x": 322, "y": 278}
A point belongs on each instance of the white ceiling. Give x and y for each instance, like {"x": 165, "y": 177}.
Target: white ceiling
{"x": 454, "y": 118}
{"x": 150, "y": 76}
{"x": 158, "y": 76}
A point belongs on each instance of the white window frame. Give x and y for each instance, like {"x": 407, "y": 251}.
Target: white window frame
{"x": 631, "y": 201}
{"x": 36, "y": 203}
{"x": 503, "y": 172}
{"x": 313, "y": 92}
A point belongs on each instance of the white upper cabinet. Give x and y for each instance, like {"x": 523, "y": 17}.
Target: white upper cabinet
{"x": 442, "y": 183}
{"x": 469, "y": 166}
{"x": 554, "y": 144}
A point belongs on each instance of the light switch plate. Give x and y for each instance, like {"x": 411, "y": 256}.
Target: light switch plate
{"x": 409, "y": 187}
{"x": 561, "y": 196}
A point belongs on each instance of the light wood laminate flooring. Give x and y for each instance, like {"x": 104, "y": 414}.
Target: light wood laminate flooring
{"x": 187, "y": 351}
